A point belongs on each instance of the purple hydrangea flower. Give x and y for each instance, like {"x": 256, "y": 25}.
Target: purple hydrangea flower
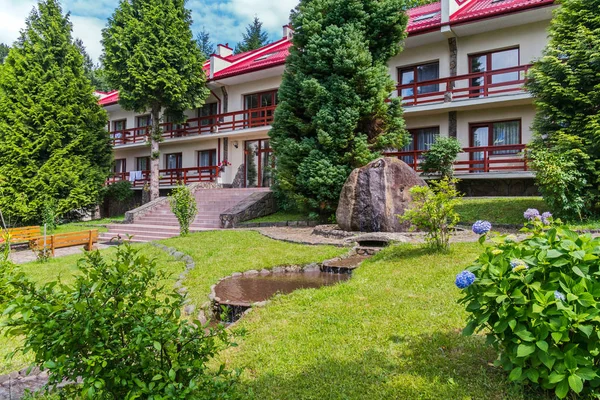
{"x": 559, "y": 296}
{"x": 531, "y": 213}
{"x": 482, "y": 227}
{"x": 546, "y": 217}
{"x": 464, "y": 279}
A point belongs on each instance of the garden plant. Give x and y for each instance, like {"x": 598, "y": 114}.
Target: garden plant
{"x": 536, "y": 300}
{"x": 183, "y": 204}
{"x": 440, "y": 157}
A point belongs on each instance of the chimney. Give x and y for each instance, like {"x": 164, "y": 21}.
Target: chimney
{"x": 223, "y": 50}
{"x": 449, "y": 7}
{"x": 288, "y": 32}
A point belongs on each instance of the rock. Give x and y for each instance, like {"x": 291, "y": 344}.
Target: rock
{"x": 265, "y": 272}
{"x": 189, "y": 309}
{"x": 259, "y": 304}
{"x": 236, "y": 274}
{"x": 278, "y": 270}
{"x": 374, "y": 195}
{"x": 251, "y": 272}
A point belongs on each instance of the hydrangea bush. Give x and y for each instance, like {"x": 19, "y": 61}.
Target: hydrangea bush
{"x": 536, "y": 300}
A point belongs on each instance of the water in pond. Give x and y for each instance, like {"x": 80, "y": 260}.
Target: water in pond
{"x": 244, "y": 290}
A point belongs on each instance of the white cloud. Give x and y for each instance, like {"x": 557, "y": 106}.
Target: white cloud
{"x": 273, "y": 14}
{"x": 13, "y": 14}
{"x": 89, "y": 29}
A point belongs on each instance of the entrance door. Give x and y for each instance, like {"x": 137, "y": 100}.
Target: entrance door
{"x": 259, "y": 163}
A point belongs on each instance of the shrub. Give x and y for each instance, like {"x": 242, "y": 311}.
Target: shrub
{"x": 536, "y": 301}
{"x": 119, "y": 330}
{"x": 561, "y": 183}
{"x": 440, "y": 157}
{"x": 433, "y": 211}
{"x": 183, "y": 205}
{"x": 120, "y": 191}
{"x": 50, "y": 215}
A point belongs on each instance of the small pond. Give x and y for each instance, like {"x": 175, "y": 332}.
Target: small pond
{"x": 245, "y": 290}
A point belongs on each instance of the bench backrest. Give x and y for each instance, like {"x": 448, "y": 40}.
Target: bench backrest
{"x": 25, "y": 233}
{"x": 68, "y": 239}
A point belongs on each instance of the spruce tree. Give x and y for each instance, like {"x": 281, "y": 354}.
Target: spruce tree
{"x": 3, "y": 52}
{"x": 565, "y": 84}
{"x": 207, "y": 48}
{"x": 333, "y": 113}
{"x": 93, "y": 71}
{"x": 254, "y": 38}
{"x": 151, "y": 57}
{"x": 54, "y": 145}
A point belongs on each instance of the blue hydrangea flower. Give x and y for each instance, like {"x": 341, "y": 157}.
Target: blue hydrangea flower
{"x": 464, "y": 279}
{"x": 546, "y": 218}
{"x": 518, "y": 265}
{"x": 482, "y": 227}
{"x": 559, "y": 296}
{"x": 531, "y": 213}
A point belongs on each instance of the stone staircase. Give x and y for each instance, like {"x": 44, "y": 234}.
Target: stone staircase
{"x": 161, "y": 223}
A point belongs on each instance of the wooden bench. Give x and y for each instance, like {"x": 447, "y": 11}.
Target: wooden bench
{"x": 61, "y": 240}
{"x": 21, "y": 235}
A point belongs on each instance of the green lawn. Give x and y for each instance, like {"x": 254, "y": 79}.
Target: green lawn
{"x": 499, "y": 210}
{"x": 282, "y": 216}
{"x": 391, "y": 332}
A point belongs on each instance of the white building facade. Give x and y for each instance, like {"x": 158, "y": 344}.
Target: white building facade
{"x": 461, "y": 74}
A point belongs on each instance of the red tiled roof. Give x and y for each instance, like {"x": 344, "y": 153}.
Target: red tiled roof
{"x": 479, "y": 9}
{"x": 110, "y": 98}
{"x": 266, "y": 57}
{"x": 426, "y": 23}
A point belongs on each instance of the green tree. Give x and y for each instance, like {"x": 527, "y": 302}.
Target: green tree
{"x": 151, "y": 57}
{"x": 254, "y": 38}
{"x": 3, "y": 52}
{"x": 333, "y": 114}
{"x": 565, "y": 83}
{"x": 55, "y": 147}
{"x": 206, "y": 46}
{"x": 93, "y": 71}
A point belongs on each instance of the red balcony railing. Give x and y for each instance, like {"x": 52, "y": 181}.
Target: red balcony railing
{"x": 469, "y": 86}
{"x": 233, "y": 121}
{"x": 480, "y": 159}
{"x": 171, "y": 177}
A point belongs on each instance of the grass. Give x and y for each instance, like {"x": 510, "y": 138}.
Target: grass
{"x": 99, "y": 224}
{"x": 499, "y": 210}
{"x": 282, "y": 216}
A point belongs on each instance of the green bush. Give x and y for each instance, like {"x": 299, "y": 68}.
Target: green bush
{"x": 183, "y": 205}
{"x": 440, "y": 157}
{"x": 536, "y": 301}
{"x": 50, "y": 215}
{"x": 433, "y": 211}
{"x": 120, "y": 191}
{"x": 120, "y": 331}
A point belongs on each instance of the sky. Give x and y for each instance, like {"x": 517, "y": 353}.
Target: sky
{"x": 225, "y": 20}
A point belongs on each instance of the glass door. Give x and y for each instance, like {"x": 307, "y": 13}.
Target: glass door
{"x": 479, "y": 137}
{"x": 258, "y": 102}
{"x": 259, "y": 162}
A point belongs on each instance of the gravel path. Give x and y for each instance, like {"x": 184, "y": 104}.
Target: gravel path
{"x": 24, "y": 255}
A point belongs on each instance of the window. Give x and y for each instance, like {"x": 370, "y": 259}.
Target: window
{"x": 207, "y": 158}
{"x": 142, "y": 164}
{"x": 425, "y": 16}
{"x": 417, "y": 74}
{"x": 422, "y": 139}
{"x": 265, "y": 56}
{"x": 208, "y": 110}
{"x": 142, "y": 121}
{"x": 493, "y": 61}
{"x": 259, "y": 100}
{"x": 173, "y": 161}
{"x": 496, "y": 134}
{"x": 119, "y": 126}
{"x": 119, "y": 166}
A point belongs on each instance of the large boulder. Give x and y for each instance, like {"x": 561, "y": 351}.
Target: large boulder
{"x": 374, "y": 196}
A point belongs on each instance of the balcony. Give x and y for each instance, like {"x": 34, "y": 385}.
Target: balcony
{"x": 170, "y": 177}
{"x": 227, "y": 122}
{"x": 476, "y": 160}
{"x": 465, "y": 87}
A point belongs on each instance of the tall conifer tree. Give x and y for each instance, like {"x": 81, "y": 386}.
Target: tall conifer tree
{"x": 53, "y": 141}
{"x": 206, "y": 46}
{"x": 254, "y": 38}
{"x": 565, "y": 84}
{"x": 151, "y": 57}
{"x": 333, "y": 112}
{"x": 3, "y": 52}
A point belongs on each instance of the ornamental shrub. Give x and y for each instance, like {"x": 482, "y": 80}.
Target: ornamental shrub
{"x": 536, "y": 300}
{"x": 433, "y": 211}
{"x": 119, "y": 330}
{"x": 183, "y": 205}
{"x": 440, "y": 157}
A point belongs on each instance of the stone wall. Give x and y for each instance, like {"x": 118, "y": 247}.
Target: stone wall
{"x": 256, "y": 205}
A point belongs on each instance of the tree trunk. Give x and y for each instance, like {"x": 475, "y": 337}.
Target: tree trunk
{"x": 155, "y": 153}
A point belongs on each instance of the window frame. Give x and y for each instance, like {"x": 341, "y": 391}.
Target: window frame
{"x": 179, "y": 157}
{"x": 199, "y": 156}
{"x": 116, "y": 121}
{"x": 490, "y": 126}
{"x": 123, "y": 162}
{"x": 273, "y": 92}
{"x": 414, "y": 68}
{"x": 137, "y": 163}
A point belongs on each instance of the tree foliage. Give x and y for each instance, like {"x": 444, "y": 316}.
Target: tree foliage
{"x": 333, "y": 112}
{"x": 440, "y": 157}
{"x": 183, "y": 205}
{"x": 53, "y": 133}
{"x": 3, "y": 52}
{"x": 207, "y": 47}
{"x": 254, "y": 38}
{"x": 119, "y": 330}
{"x": 565, "y": 83}
{"x": 93, "y": 71}
{"x": 151, "y": 57}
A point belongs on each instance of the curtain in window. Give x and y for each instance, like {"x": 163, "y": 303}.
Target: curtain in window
{"x": 428, "y": 72}
{"x": 506, "y": 133}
